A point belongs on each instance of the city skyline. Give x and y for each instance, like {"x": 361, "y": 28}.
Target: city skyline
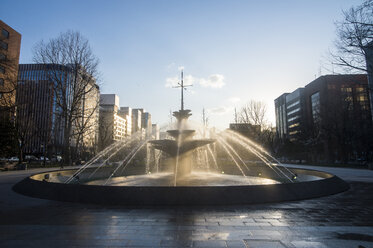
{"x": 231, "y": 52}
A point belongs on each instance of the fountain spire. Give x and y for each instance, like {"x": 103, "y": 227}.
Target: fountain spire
{"x": 182, "y": 87}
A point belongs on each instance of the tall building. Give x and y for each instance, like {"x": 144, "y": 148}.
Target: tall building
{"x": 112, "y": 125}
{"x": 88, "y": 123}
{"x": 10, "y": 45}
{"x": 290, "y": 114}
{"x": 331, "y": 116}
{"x": 38, "y": 124}
{"x": 40, "y": 119}
{"x": 126, "y": 113}
{"x": 281, "y": 116}
{"x": 146, "y": 123}
{"x": 136, "y": 120}
{"x": 155, "y": 131}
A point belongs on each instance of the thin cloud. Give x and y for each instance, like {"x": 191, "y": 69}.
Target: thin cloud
{"x": 220, "y": 110}
{"x": 213, "y": 81}
{"x": 171, "y": 82}
{"x": 234, "y": 99}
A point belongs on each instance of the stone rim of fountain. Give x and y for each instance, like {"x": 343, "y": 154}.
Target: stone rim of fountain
{"x": 38, "y": 186}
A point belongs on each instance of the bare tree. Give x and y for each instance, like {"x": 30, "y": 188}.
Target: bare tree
{"x": 73, "y": 70}
{"x": 354, "y": 38}
{"x": 254, "y": 113}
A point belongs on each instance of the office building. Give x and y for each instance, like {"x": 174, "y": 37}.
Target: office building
{"x": 146, "y": 123}
{"x": 112, "y": 127}
{"x": 40, "y": 117}
{"x": 155, "y": 131}
{"x": 10, "y": 45}
{"x": 126, "y": 113}
{"x": 136, "y": 120}
{"x": 330, "y": 116}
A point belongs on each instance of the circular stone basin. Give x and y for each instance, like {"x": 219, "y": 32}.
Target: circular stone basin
{"x": 198, "y": 189}
{"x": 194, "y": 179}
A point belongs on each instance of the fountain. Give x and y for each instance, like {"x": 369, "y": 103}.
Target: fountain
{"x": 231, "y": 179}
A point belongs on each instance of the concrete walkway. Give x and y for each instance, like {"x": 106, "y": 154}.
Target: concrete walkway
{"x": 342, "y": 220}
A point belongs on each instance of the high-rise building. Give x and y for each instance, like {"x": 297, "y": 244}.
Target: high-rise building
{"x": 126, "y": 113}
{"x": 155, "y": 131}
{"x": 10, "y": 45}
{"x": 40, "y": 117}
{"x": 38, "y": 124}
{"x": 112, "y": 125}
{"x": 281, "y": 116}
{"x": 136, "y": 120}
{"x": 146, "y": 123}
{"x": 331, "y": 116}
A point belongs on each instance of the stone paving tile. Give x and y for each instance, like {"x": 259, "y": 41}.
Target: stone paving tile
{"x": 236, "y": 244}
{"x": 264, "y": 244}
{"x": 209, "y": 243}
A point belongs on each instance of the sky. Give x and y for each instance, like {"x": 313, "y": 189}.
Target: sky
{"x": 231, "y": 51}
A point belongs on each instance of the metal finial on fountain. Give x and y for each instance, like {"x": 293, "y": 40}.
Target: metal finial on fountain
{"x": 182, "y": 87}
{"x": 183, "y": 144}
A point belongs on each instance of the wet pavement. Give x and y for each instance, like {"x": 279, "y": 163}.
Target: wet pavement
{"x": 342, "y": 220}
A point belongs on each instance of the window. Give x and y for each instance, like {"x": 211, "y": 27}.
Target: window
{"x": 294, "y": 111}
{"x": 362, "y": 98}
{"x": 294, "y": 125}
{"x": 346, "y": 89}
{"x": 331, "y": 86}
{"x": 1, "y": 81}
{"x": 293, "y": 118}
{"x": 3, "y": 45}
{"x": 5, "y": 33}
{"x": 2, "y": 57}
{"x": 293, "y": 132}
{"x": 360, "y": 89}
{"x": 293, "y": 104}
{"x": 2, "y": 69}
{"x": 315, "y": 102}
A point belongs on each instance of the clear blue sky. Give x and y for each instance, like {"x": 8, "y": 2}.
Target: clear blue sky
{"x": 232, "y": 51}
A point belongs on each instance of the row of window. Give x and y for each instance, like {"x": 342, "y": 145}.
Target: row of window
{"x": 293, "y": 104}
{"x": 294, "y": 111}
{"x": 293, "y": 118}
{"x": 2, "y": 69}
{"x": 294, "y": 125}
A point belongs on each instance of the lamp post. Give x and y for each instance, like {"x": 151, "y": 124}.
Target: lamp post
{"x": 43, "y": 149}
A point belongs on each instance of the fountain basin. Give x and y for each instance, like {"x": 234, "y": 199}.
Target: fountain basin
{"x": 49, "y": 185}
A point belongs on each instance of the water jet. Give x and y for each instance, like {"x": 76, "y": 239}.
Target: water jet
{"x": 201, "y": 171}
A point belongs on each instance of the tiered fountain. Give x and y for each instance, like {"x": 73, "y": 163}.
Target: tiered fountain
{"x": 248, "y": 183}
{"x": 182, "y": 146}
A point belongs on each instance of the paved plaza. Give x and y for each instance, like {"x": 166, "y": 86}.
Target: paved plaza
{"x": 342, "y": 220}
